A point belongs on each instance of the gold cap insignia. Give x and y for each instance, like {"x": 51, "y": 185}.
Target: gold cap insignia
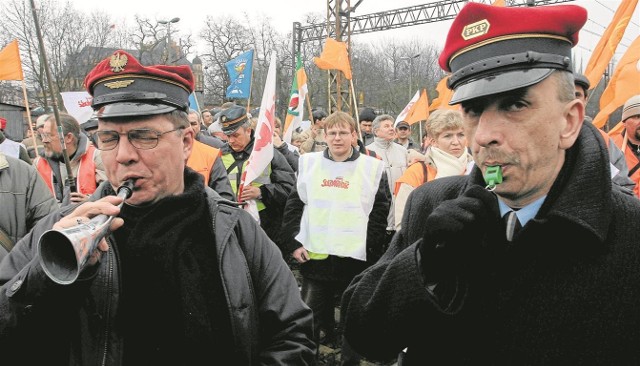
{"x": 119, "y": 84}
{"x": 226, "y": 122}
{"x": 476, "y": 29}
{"x": 118, "y": 61}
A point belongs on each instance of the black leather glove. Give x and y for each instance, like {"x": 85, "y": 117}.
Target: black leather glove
{"x": 455, "y": 231}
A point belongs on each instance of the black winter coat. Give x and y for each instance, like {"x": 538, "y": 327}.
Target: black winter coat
{"x": 565, "y": 292}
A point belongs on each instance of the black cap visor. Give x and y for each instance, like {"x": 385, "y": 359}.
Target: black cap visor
{"x": 498, "y": 83}
{"x": 231, "y": 129}
{"x": 133, "y": 109}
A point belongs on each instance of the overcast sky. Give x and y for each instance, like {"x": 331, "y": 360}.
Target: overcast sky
{"x": 283, "y": 13}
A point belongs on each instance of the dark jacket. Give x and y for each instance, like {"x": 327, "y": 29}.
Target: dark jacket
{"x": 274, "y": 194}
{"x": 24, "y": 198}
{"x": 564, "y": 292}
{"x": 49, "y": 322}
{"x": 336, "y": 268}
{"x": 206, "y": 138}
{"x": 291, "y": 156}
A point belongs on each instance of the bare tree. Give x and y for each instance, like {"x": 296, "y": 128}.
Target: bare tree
{"x": 381, "y": 71}
{"x": 225, "y": 38}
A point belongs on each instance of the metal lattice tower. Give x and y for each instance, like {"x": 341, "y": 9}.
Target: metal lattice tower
{"x": 341, "y": 25}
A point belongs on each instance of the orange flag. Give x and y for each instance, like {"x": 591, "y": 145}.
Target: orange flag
{"x": 625, "y": 83}
{"x": 334, "y": 56}
{"x": 420, "y": 109}
{"x": 617, "y": 129}
{"x": 444, "y": 96}
{"x": 609, "y": 41}
{"x": 10, "y": 66}
{"x": 499, "y": 3}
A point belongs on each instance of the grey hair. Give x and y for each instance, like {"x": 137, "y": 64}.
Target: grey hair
{"x": 566, "y": 85}
{"x": 379, "y": 119}
{"x": 69, "y": 124}
{"x": 193, "y": 111}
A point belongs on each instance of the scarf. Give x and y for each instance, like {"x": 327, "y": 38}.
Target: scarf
{"x": 384, "y": 143}
{"x": 447, "y": 164}
{"x": 173, "y": 308}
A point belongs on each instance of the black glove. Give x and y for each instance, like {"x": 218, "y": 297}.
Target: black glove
{"x": 455, "y": 231}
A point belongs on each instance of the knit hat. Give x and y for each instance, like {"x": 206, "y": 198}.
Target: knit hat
{"x": 631, "y": 107}
{"x": 367, "y": 114}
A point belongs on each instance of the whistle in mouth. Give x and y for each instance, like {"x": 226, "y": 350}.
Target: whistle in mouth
{"x": 493, "y": 176}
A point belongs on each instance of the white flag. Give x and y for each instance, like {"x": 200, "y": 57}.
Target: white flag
{"x": 78, "y": 105}
{"x": 262, "y": 152}
{"x": 406, "y": 109}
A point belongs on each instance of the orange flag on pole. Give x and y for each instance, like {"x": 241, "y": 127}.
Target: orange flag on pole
{"x": 420, "y": 109}
{"x": 444, "y": 96}
{"x": 617, "y": 129}
{"x": 499, "y": 3}
{"x": 625, "y": 83}
{"x": 10, "y": 66}
{"x": 334, "y": 56}
{"x": 609, "y": 41}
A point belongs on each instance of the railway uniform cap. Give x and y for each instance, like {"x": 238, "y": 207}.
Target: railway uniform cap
{"x": 494, "y": 49}
{"x": 122, "y": 87}
{"x": 581, "y": 80}
{"x": 233, "y": 118}
{"x": 90, "y": 124}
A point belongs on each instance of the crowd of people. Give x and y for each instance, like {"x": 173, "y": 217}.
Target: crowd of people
{"x": 507, "y": 236}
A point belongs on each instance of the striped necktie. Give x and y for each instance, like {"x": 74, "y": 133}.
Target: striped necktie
{"x": 512, "y": 225}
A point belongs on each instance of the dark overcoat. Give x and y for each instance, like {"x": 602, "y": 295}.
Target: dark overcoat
{"x": 565, "y": 292}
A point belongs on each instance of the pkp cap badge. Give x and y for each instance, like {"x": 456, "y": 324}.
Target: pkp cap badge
{"x": 476, "y": 29}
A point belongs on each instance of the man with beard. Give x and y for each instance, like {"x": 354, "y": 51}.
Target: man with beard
{"x": 85, "y": 160}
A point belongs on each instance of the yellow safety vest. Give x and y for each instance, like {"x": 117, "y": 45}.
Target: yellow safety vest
{"x": 235, "y": 176}
{"x": 338, "y": 199}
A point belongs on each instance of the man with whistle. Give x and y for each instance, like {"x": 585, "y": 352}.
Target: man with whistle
{"x": 460, "y": 287}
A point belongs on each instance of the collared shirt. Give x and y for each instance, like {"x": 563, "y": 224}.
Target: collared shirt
{"x": 525, "y": 213}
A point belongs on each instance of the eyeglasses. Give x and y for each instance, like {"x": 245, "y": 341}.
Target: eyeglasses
{"x": 334, "y": 134}
{"x": 142, "y": 139}
{"x": 46, "y": 136}
{"x": 403, "y": 128}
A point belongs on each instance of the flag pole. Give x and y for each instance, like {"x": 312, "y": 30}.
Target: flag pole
{"x": 26, "y": 104}
{"x": 309, "y": 107}
{"x": 253, "y": 60}
{"x": 420, "y": 122}
{"x": 355, "y": 103}
{"x": 70, "y": 179}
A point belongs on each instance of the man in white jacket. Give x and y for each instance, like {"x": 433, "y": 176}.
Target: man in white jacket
{"x": 395, "y": 156}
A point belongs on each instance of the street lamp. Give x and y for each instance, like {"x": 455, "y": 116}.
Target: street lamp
{"x": 168, "y": 24}
{"x": 410, "y": 58}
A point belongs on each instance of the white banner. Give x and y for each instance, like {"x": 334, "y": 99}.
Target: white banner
{"x": 406, "y": 109}
{"x": 78, "y": 104}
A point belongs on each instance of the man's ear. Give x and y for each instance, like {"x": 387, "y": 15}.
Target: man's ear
{"x": 574, "y": 117}
{"x": 187, "y": 141}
